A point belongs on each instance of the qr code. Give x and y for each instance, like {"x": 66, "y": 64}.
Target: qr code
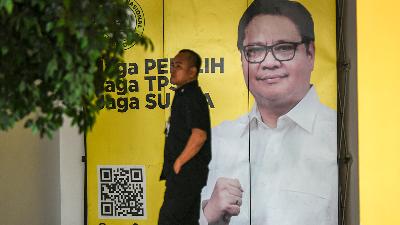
{"x": 122, "y": 192}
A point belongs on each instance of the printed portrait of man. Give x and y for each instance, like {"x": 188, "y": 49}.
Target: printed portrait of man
{"x": 278, "y": 163}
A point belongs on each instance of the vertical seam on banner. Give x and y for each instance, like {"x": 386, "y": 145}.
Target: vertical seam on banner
{"x": 249, "y": 147}
{"x": 249, "y": 144}
{"x": 248, "y": 109}
{"x": 163, "y": 28}
{"x": 163, "y": 55}
{"x": 249, "y": 129}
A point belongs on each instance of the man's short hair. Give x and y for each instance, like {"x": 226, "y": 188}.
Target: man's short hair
{"x": 292, "y": 10}
{"x": 194, "y": 58}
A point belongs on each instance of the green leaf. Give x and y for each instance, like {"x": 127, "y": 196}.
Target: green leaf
{"x": 69, "y": 77}
{"x": 67, "y": 4}
{"x": 61, "y": 22}
{"x": 21, "y": 87}
{"x": 49, "y": 26}
{"x": 9, "y": 6}
{"x": 60, "y": 38}
{"x": 34, "y": 128}
{"x": 94, "y": 54}
{"x": 4, "y": 50}
{"x": 51, "y": 67}
{"x": 84, "y": 42}
{"x": 68, "y": 60}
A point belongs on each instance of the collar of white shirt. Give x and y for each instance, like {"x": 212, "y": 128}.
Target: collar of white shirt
{"x": 303, "y": 114}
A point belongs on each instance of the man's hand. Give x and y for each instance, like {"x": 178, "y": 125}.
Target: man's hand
{"x": 177, "y": 166}
{"x": 225, "y": 201}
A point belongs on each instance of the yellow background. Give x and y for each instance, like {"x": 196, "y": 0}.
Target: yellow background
{"x": 210, "y": 28}
{"x": 378, "y": 33}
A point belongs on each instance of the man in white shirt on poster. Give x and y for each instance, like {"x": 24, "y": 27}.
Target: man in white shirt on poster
{"x": 278, "y": 163}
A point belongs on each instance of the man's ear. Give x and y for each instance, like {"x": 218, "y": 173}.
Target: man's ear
{"x": 311, "y": 49}
{"x": 193, "y": 72}
{"x": 311, "y": 54}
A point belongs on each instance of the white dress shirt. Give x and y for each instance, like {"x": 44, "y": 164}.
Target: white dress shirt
{"x": 294, "y": 172}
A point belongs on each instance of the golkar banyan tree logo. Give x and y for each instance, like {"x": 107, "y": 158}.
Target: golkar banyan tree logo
{"x": 136, "y": 16}
{"x": 136, "y": 21}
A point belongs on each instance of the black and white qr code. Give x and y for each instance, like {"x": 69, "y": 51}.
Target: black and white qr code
{"x": 122, "y": 192}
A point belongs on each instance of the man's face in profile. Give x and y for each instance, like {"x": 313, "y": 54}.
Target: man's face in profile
{"x": 182, "y": 71}
{"x": 271, "y": 80}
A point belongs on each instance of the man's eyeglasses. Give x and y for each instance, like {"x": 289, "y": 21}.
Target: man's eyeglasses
{"x": 284, "y": 51}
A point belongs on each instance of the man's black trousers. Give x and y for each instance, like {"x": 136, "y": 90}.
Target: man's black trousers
{"x": 181, "y": 204}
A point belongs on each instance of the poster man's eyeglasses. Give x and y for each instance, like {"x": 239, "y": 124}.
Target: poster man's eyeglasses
{"x": 284, "y": 51}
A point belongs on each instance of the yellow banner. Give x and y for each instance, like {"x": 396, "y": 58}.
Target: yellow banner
{"x": 125, "y": 147}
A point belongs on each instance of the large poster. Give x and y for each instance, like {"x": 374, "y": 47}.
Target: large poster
{"x": 125, "y": 147}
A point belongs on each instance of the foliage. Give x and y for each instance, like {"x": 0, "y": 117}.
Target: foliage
{"x": 50, "y": 57}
